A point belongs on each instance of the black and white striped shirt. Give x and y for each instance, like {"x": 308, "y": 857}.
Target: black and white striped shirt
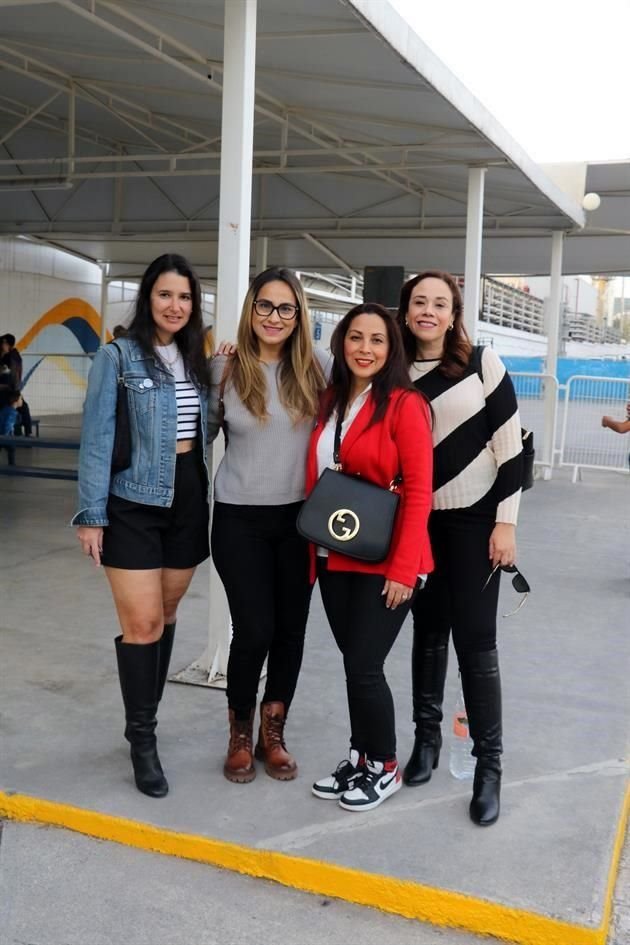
{"x": 476, "y": 436}
{"x": 188, "y": 408}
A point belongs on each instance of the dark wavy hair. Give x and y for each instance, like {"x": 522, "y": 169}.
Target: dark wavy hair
{"x": 457, "y": 345}
{"x": 191, "y": 338}
{"x": 393, "y": 375}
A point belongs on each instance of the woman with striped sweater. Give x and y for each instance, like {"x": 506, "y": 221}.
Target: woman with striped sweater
{"x": 476, "y": 493}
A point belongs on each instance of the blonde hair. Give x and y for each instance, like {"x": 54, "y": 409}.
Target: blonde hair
{"x": 208, "y": 343}
{"x": 300, "y": 378}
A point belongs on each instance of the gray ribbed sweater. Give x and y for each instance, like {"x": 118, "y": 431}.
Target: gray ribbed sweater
{"x": 264, "y": 463}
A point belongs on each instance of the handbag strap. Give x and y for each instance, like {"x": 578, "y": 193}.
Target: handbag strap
{"x": 337, "y": 444}
{"x": 394, "y": 484}
{"x": 119, "y": 377}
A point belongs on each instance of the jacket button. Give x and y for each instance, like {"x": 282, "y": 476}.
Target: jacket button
{"x": 147, "y": 383}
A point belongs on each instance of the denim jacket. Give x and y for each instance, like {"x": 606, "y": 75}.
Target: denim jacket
{"x": 153, "y": 420}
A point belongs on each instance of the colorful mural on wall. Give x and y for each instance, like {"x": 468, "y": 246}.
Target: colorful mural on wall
{"x": 54, "y": 353}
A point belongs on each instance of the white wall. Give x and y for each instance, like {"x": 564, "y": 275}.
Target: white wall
{"x": 580, "y": 295}
{"x": 511, "y": 341}
{"x": 35, "y": 280}
{"x": 576, "y": 291}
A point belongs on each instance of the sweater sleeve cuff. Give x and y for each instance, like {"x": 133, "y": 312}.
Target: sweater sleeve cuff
{"x": 507, "y": 510}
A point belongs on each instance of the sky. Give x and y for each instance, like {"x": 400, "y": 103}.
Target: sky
{"x": 555, "y": 73}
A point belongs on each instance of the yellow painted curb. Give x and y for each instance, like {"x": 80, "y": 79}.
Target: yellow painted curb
{"x": 404, "y": 898}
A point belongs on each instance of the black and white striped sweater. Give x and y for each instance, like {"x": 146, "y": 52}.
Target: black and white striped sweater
{"x": 476, "y": 435}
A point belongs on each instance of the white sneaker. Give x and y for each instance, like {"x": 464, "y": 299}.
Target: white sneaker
{"x": 347, "y": 773}
{"x": 380, "y": 780}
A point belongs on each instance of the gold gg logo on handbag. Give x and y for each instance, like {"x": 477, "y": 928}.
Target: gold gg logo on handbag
{"x": 342, "y": 532}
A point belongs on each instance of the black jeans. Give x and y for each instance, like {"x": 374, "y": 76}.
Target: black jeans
{"x": 365, "y": 631}
{"x": 24, "y": 424}
{"x": 264, "y": 566}
{"x": 453, "y": 598}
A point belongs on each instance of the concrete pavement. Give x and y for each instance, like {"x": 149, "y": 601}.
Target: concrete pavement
{"x": 565, "y": 662}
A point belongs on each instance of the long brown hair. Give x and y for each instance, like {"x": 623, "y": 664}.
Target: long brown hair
{"x": 189, "y": 339}
{"x": 392, "y": 376}
{"x": 300, "y": 378}
{"x": 457, "y": 346}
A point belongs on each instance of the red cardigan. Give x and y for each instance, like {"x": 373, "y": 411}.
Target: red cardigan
{"x": 399, "y": 443}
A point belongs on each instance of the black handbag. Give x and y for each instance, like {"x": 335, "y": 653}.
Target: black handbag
{"x": 121, "y": 453}
{"x": 529, "y": 453}
{"x": 350, "y": 515}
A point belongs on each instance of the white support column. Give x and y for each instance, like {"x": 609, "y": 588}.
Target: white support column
{"x": 237, "y": 145}
{"x": 553, "y": 335}
{"x": 474, "y": 231}
{"x": 104, "y": 301}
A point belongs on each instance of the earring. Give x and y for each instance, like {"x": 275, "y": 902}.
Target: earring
{"x": 451, "y": 326}
{"x": 406, "y": 324}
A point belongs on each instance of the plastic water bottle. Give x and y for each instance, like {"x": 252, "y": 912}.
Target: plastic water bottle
{"x": 461, "y": 763}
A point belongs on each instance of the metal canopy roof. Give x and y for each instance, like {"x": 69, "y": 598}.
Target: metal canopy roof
{"x": 110, "y": 120}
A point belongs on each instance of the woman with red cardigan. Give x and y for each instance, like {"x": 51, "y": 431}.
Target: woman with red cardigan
{"x": 385, "y": 433}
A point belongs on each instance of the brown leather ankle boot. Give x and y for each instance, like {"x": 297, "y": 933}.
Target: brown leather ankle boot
{"x": 279, "y": 764}
{"x": 239, "y": 763}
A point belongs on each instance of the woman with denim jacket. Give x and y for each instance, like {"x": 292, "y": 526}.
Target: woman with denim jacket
{"x": 148, "y": 524}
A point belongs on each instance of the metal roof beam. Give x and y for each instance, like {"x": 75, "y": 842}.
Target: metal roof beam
{"x": 29, "y": 117}
{"x": 313, "y": 33}
{"x": 329, "y": 253}
{"x": 34, "y": 197}
{"x": 300, "y": 171}
{"x": 100, "y": 229}
{"x": 159, "y": 121}
{"x": 130, "y": 123}
{"x": 89, "y": 13}
{"x": 387, "y": 121}
{"x": 64, "y": 82}
{"x": 55, "y": 125}
{"x": 262, "y": 153}
{"x": 157, "y": 51}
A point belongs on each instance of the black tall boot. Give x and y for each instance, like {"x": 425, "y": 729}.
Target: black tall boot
{"x": 166, "y": 648}
{"x": 481, "y": 684}
{"x": 429, "y": 661}
{"x": 138, "y": 667}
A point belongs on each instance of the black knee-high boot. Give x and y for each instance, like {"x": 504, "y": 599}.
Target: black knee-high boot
{"x": 481, "y": 684}
{"x": 166, "y": 648}
{"x": 429, "y": 661}
{"x": 138, "y": 666}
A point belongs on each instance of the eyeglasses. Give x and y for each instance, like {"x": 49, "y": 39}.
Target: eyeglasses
{"x": 519, "y": 583}
{"x": 264, "y": 308}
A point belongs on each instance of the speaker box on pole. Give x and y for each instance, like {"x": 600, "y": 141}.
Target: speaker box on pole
{"x": 382, "y": 284}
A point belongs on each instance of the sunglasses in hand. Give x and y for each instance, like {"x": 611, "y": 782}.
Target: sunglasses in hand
{"x": 519, "y": 583}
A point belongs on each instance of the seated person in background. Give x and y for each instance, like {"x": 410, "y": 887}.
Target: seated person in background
{"x": 11, "y": 358}
{"x": 6, "y": 380}
{"x": 8, "y": 419}
{"x": 23, "y": 424}
{"x": 619, "y": 426}
{"x": 11, "y": 368}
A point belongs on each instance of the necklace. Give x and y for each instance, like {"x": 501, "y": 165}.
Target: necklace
{"x": 168, "y": 361}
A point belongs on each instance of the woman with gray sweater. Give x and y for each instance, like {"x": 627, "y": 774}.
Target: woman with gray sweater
{"x": 266, "y": 398}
